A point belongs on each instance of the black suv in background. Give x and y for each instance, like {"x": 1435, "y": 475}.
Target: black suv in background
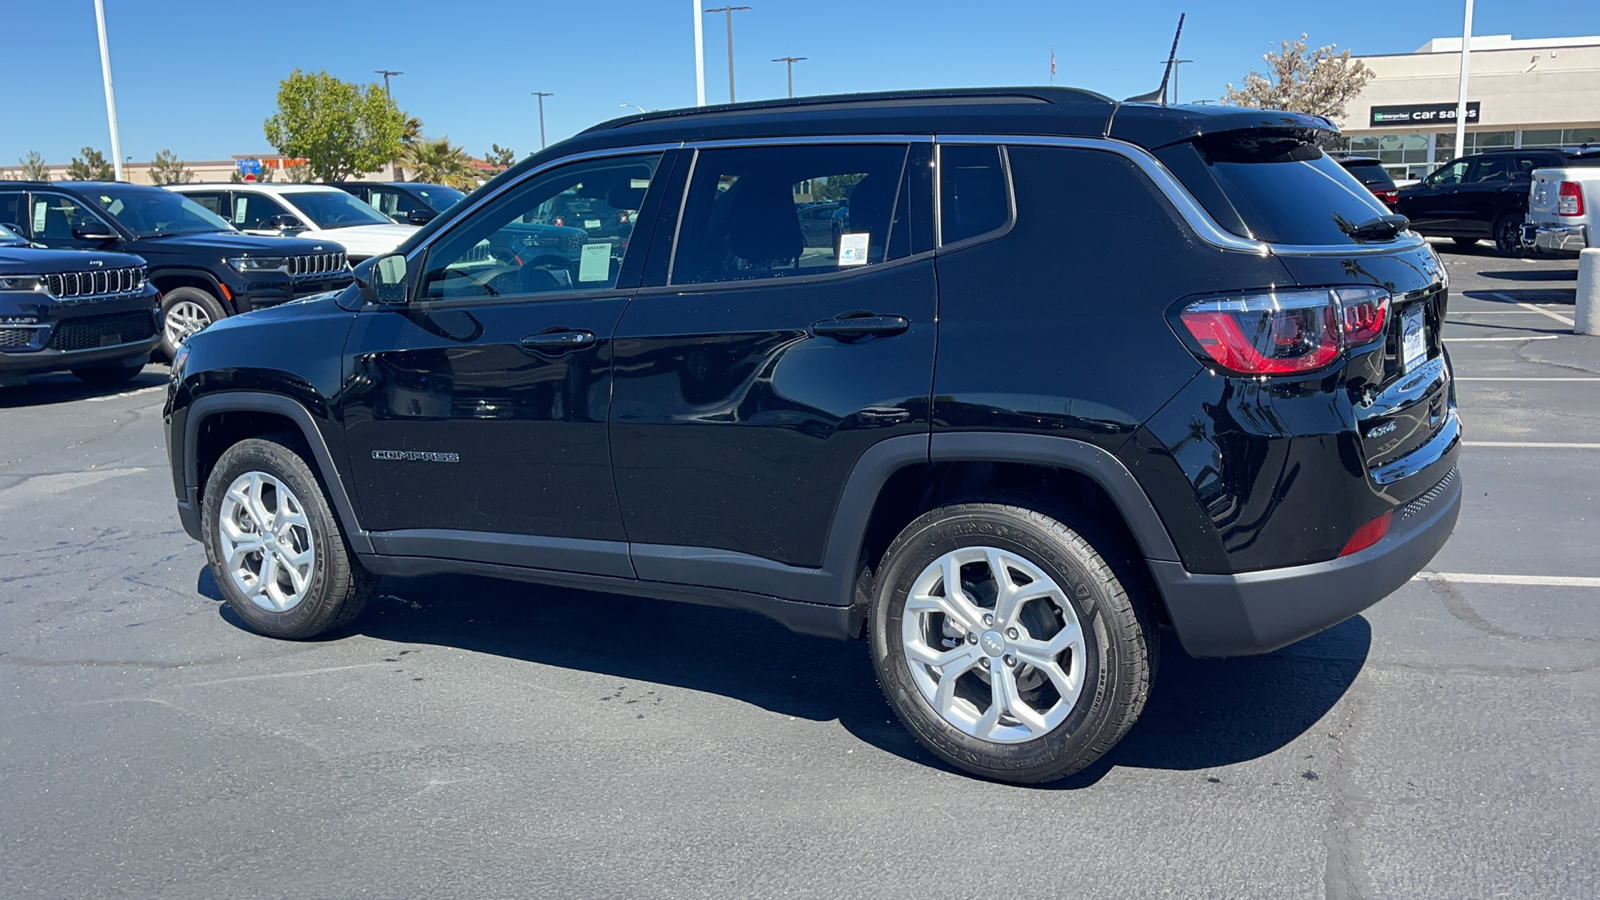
{"x": 1371, "y": 173}
{"x": 406, "y": 202}
{"x": 204, "y": 268}
{"x": 93, "y": 313}
{"x": 999, "y": 441}
{"x": 1480, "y": 197}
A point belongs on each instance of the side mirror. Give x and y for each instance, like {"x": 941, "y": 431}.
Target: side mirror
{"x": 93, "y": 231}
{"x": 383, "y": 280}
{"x": 420, "y": 216}
{"x": 286, "y": 222}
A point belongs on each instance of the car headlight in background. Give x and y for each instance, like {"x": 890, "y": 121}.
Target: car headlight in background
{"x": 21, "y": 283}
{"x": 259, "y": 263}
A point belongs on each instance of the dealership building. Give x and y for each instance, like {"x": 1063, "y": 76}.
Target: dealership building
{"x": 1520, "y": 93}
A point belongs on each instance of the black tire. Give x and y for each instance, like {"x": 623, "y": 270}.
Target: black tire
{"x": 338, "y": 587}
{"x": 109, "y": 376}
{"x": 1508, "y": 235}
{"x": 1119, "y": 637}
{"x": 203, "y": 300}
{"x": 1465, "y": 242}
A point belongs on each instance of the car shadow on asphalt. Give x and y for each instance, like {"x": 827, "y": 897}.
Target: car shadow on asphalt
{"x": 1202, "y": 714}
{"x": 1532, "y": 274}
{"x": 47, "y": 390}
{"x": 1524, "y": 295}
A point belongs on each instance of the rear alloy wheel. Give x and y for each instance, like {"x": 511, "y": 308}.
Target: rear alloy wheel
{"x": 1007, "y": 644}
{"x": 1508, "y": 236}
{"x": 186, "y": 311}
{"x": 275, "y": 547}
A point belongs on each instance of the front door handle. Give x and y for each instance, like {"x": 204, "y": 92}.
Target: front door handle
{"x": 853, "y": 324}
{"x": 558, "y": 342}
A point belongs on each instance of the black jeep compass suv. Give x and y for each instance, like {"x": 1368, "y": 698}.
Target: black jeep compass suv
{"x": 1075, "y": 370}
{"x": 204, "y": 268}
{"x": 92, "y": 313}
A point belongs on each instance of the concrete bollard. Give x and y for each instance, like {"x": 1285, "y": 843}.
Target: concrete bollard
{"x": 1587, "y": 314}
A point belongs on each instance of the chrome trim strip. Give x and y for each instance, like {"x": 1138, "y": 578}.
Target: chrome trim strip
{"x": 1191, "y": 210}
{"x": 808, "y": 139}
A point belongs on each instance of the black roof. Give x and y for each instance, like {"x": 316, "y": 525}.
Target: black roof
{"x": 1022, "y": 110}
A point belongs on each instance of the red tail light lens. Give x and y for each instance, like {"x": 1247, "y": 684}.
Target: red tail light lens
{"x": 1389, "y": 197}
{"x": 1285, "y": 332}
{"x": 1363, "y": 313}
{"x": 1571, "y": 199}
{"x": 1368, "y": 534}
{"x": 561, "y": 220}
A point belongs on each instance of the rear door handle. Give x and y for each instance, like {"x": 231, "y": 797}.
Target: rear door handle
{"x": 850, "y": 325}
{"x": 558, "y": 342}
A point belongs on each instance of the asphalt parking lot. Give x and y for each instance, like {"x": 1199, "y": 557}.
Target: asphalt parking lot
{"x": 473, "y": 738}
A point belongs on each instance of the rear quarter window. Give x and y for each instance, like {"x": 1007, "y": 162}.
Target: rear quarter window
{"x": 1372, "y": 174}
{"x": 1275, "y": 187}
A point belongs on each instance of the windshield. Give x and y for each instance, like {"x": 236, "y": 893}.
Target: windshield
{"x": 335, "y": 209}
{"x": 154, "y": 212}
{"x": 9, "y": 237}
{"x": 439, "y": 198}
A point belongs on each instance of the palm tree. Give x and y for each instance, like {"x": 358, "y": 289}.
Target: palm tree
{"x": 410, "y": 133}
{"x": 439, "y": 162}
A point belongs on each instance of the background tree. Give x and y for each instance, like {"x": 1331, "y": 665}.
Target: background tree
{"x": 339, "y": 127}
{"x": 440, "y": 162}
{"x": 166, "y": 168}
{"x": 34, "y": 168}
{"x": 500, "y": 157}
{"x": 1319, "y": 82}
{"x": 92, "y": 167}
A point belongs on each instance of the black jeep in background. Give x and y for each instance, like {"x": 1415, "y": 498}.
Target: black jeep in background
{"x": 1481, "y": 197}
{"x": 204, "y": 268}
{"x": 92, "y": 313}
{"x": 406, "y": 202}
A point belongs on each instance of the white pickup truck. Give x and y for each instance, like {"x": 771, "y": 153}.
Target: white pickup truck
{"x": 1564, "y": 207}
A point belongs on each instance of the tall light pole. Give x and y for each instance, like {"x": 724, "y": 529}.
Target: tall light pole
{"x": 386, "y": 73}
{"x": 730, "y": 10}
{"x": 541, "y": 95}
{"x": 1177, "y": 64}
{"x": 699, "y": 56}
{"x": 790, "y": 60}
{"x": 1461, "y": 90}
{"x": 111, "y": 99}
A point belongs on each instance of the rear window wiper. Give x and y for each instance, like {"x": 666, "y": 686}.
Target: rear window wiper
{"x": 1379, "y": 228}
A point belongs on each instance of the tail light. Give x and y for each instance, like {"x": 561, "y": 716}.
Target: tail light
{"x": 1368, "y": 534}
{"x": 1284, "y": 332}
{"x": 622, "y": 218}
{"x": 561, "y": 220}
{"x": 1389, "y": 197}
{"x": 1571, "y": 199}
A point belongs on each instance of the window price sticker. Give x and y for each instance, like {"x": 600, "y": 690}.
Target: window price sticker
{"x": 853, "y": 249}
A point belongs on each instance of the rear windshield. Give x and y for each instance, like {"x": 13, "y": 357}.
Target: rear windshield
{"x": 1278, "y": 187}
{"x": 1372, "y": 174}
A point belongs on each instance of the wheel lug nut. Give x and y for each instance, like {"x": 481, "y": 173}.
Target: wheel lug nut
{"x": 1012, "y": 633}
{"x": 1011, "y": 660}
{"x": 988, "y": 620}
{"x": 972, "y": 639}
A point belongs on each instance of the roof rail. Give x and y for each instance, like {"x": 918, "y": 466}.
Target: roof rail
{"x": 946, "y": 96}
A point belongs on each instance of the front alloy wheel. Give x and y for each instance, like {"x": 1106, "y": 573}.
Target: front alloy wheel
{"x": 266, "y": 541}
{"x": 184, "y": 318}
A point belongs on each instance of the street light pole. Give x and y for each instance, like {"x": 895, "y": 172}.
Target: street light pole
{"x": 699, "y": 56}
{"x": 541, "y": 95}
{"x": 1177, "y": 64}
{"x": 729, "y": 10}
{"x": 386, "y": 73}
{"x": 111, "y": 100}
{"x": 1461, "y": 89}
{"x": 790, "y": 60}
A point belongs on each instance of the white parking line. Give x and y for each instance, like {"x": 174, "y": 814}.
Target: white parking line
{"x": 1523, "y": 445}
{"x": 1494, "y": 312}
{"x": 1538, "y": 309}
{"x": 1531, "y": 337}
{"x": 1477, "y": 578}
{"x": 1524, "y": 378}
{"x": 159, "y": 387}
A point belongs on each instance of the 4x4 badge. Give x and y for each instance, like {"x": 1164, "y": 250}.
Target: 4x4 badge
{"x": 417, "y": 456}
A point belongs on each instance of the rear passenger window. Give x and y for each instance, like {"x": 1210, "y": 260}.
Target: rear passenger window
{"x": 974, "y": 197}
{"x": 213, "y": 203}
{"x": 776, "y": 212}
{"x": 252, "y": 211}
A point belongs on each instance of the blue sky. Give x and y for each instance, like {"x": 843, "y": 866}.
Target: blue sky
{"x": 200, "y": 77}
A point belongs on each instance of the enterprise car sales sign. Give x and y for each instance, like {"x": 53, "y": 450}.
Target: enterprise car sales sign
{"x": 1420, "y": 114}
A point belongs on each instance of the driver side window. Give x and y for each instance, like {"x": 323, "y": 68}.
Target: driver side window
{"x": 564, "y": 230}
{"x": 1455, "y": 173}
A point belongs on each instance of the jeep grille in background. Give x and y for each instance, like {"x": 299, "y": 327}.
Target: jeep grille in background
{"x": 316, "y": 264}
{"x": 76, "y": 285}
{"x": 103, "y": 331}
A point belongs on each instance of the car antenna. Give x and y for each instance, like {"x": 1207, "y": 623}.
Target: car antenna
{"x": 1160, "y": 93}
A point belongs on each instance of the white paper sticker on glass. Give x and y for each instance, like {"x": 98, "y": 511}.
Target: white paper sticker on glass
{"x": 853, "y": 249}
{"x": 595, "y": 263}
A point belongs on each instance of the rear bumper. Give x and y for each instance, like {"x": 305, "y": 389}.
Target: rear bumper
{"x": 1258, "y": 612}
{"x": 1556, "y": 238}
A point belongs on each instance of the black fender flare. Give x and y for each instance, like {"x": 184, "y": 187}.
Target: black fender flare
{"x": 277, "y": 404}
{"x": 223, "y": 295}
